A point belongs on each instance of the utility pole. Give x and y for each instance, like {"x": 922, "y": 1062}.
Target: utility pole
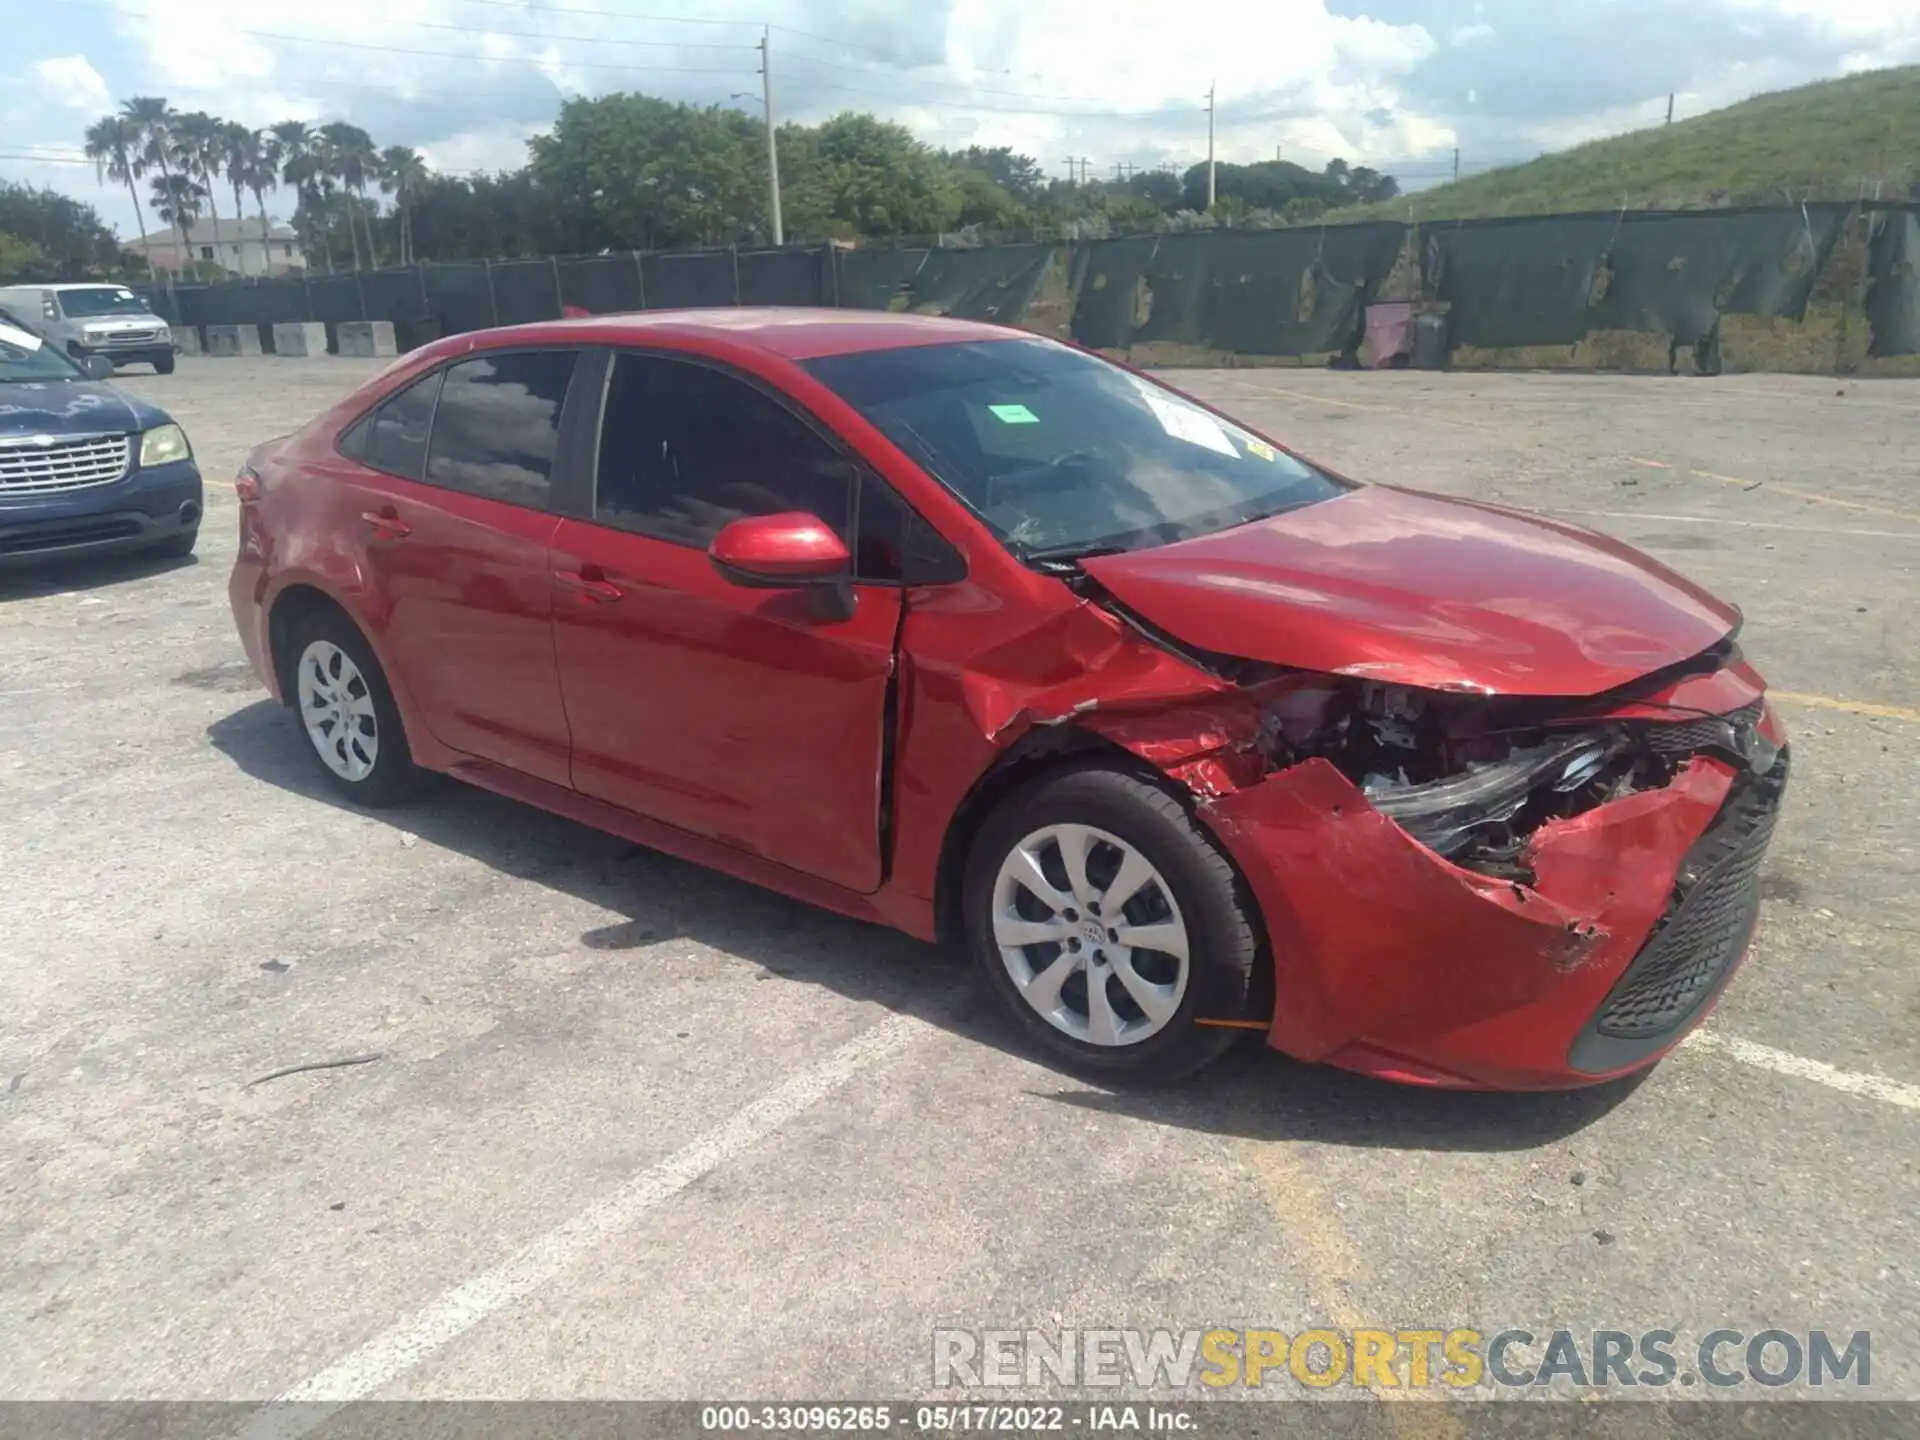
{"x": 1456, "y": 164}
{"x": 1210, "y": 169}
{"x": 773, "y": 149}
{"x": 1669, "y": 108}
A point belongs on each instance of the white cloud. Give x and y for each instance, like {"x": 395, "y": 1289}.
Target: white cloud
{"x": 71, "y": 81}
{"x": 1373, "y": 81}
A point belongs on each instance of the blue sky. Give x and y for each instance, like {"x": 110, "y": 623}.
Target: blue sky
{"x": 1396, "y": 83}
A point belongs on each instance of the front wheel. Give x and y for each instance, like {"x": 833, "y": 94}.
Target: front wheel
{"x": 1111, "y": 925}
{"x": 347, "y": 711}
{"x": 163, "y": 364}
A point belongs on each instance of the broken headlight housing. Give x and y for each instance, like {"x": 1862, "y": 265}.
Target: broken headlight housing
{"x": 1470, "y": 777}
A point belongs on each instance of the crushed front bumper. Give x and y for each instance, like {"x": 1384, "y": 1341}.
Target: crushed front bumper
{"x": 1391, "y": 961}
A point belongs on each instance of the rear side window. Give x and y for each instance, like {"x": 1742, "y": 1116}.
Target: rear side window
{"x": 397, "y": 442}
{"x": 497, "y": 429}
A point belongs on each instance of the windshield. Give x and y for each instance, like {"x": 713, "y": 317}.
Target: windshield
{"x": 27, "y": 357}
{"x": 1061, "y": 453}
{"x": 111, "y": 301}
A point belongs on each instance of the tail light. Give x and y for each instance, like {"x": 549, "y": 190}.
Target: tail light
{"x": 253, "y": 535}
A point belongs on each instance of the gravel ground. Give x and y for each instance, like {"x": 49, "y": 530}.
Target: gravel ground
{"x": 641, "y": 1131}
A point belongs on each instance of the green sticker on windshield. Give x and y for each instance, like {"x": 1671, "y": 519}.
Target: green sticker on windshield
{"x": 1014, "y": 415}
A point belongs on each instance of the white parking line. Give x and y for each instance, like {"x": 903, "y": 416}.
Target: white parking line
{"x": 1781, "y": 1062}
{"x": 392, "y": 1353}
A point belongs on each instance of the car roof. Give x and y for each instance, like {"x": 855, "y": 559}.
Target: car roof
{"x": 793, "y": 333}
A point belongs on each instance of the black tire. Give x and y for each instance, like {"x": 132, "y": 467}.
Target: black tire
{"x": 1222, "y": 934}
{"x": 177, "y": 547}
{"x": 393, "y": 778}
{"x": 163, "y": 364}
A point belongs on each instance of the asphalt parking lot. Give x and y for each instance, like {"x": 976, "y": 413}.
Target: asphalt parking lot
{"x": 636, "y": 1130}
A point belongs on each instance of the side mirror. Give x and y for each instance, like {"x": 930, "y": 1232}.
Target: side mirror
{"x": 780, "y": 552}
{"x": 96, "y": 367}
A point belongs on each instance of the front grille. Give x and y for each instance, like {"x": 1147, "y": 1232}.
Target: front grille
{"x": 1690, "y": 736}
{"x": 1706, "y": 931}
{"x": 120, "y": 339}
{"x": 63, "y": 465}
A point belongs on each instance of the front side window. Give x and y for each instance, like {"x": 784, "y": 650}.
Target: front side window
{"x": 1061, "y": 453}
{"x": 685, "y": 450}
{"x": 26, "y": 358}
{"x": 497, "y": 429}
{"x": 397, "y": 443}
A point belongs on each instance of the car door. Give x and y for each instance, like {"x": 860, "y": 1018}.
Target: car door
{"x": 751, "y": 716}
{"x": 455, "y": 549}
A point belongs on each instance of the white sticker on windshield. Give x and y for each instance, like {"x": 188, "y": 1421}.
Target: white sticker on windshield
{"x": 1183, "y": 422}
{"x": 19, "y": 339}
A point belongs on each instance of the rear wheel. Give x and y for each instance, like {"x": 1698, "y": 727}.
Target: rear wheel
{"x": 1110, "y": 924}
{"x": 347, "y": 712}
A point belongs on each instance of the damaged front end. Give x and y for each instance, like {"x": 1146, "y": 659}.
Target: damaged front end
{"x": 1460, "y": 889}
{"x": 1473, "y": 778}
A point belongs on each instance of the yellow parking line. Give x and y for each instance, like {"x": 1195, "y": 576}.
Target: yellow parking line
{"x": 1800, "y": 494}
{"x": 1305, "y": 1212}
{"x": 1852, "y": 707}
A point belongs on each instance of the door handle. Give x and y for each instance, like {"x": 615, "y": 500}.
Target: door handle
{"x": 386, "y": 524}
{"x": 587, "y": 587}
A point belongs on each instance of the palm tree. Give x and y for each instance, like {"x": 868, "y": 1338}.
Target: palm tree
{"x": 196, "y": 148}
{"x": 294, "y": 148}
{"x": 353, "y": 161}
{"x": 113, "y": 144}
{"x": 263, "y": 174}
{"x": 239, "y": 152}
{"x": 402, "y": 173}
{"x": 176, "y": 200}
{"x": 153, "y": 118}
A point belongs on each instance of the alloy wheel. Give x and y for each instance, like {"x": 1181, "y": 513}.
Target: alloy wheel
{"x": 336, "y": 706}
{"x": 1091, "y": 935}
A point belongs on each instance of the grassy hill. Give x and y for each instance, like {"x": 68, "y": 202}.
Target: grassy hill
{"x": 1817, "y": 142}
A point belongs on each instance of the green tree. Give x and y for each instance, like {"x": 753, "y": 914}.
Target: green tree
{"x": 114, "y": 144}
{"x": 292, "y": 145}
{"x": 154, "y": 119}
{"x": 20, "y": 259}
{"x": 177, "y": 200}
{"x": 402, "y": 173}
{"x": 1019, "y": 175}
{"x": 873, "y": 178}
{"x": 353, "y": 161}
{"x": 196, "y": 154}
{"x": 67, "y": 236}
{"x": 631, "y": 170}
{"x": 253, "y": 164}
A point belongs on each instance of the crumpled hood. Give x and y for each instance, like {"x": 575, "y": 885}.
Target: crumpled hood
{"x": 71, "y": 407}
{"x": 1424, "y": 590}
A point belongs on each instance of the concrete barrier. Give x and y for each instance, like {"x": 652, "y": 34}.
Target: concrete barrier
{"x": 233, "y": 339}
{"x": 186, "y": 339}
{"x": 300, "y": 338}
{"x": 367, "y": 338}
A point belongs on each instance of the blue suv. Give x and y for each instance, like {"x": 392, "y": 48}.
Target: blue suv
{"x": 85, "y": 469}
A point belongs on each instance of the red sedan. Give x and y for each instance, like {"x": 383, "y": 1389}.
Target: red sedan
{"x": 978, "y": 635}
